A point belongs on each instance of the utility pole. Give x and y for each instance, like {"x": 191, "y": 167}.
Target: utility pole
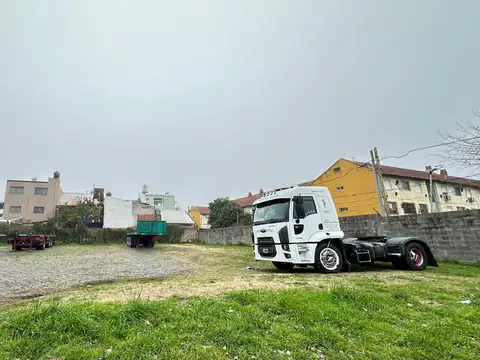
{"x": 377, "y": 186}
{"x": 382, "y": 196}
{"x": 431, "y": 191}
{"x": 430, "y": 172}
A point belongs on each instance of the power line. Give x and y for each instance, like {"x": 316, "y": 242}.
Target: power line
{"x": 348, "y": 171}
{"x": 429, "y": 147}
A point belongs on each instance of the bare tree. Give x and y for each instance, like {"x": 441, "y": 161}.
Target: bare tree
{"x": 462, "y": 147}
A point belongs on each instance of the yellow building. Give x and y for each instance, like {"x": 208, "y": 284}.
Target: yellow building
{"x": 199, "y": 215}
{"x": 352, "y": 186}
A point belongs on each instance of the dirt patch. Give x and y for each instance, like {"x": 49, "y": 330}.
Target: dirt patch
{"x": 116, "y": 273}
{"x": 32, "y": 274}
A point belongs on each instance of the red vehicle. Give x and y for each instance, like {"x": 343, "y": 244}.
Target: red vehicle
{"x": 30, "y": 241}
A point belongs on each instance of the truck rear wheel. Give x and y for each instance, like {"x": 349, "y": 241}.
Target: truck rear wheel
{"x": 283, "y": 265}
{"x": 328, "y": 258}
{"x": 416, "y": 257}
{"x": 131, "y": 242}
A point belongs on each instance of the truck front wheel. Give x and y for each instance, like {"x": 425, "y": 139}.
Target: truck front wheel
{"x": 328, "y": 259}
{"x": 283, "y": 265}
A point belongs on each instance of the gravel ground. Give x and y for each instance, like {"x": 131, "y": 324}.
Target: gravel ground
{"x": 25, "y": 274}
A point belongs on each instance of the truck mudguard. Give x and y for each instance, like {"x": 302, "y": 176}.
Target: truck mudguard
{"x": 399, "y": 244}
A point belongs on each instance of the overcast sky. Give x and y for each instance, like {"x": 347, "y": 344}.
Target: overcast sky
{"x": 219, "y": 98}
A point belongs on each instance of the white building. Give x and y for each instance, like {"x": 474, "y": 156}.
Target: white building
{"x": 408, "y": 191}
{"x": 161, "y": 201}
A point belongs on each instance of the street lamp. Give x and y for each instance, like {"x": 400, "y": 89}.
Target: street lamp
{"x": 431, "y": 170}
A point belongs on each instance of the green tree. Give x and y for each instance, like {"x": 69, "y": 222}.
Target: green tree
{"x": 1, "y": 205}
{"x": 225, "y": 213}
{"x": 73, "y": 216}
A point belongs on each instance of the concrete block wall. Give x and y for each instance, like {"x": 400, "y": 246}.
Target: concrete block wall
{"x": 453, "y": 235}
{"x": 238, "y": 235}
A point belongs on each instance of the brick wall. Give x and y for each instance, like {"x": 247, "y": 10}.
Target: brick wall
{"x": 452, "y": 235}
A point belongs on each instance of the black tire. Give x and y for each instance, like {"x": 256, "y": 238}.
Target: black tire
{"x": 152, "y": 243}
{"x": 416, "y": 257}
{"x": 283, "y": 265}
{"x": 328, "y": 259}
{"x": 130, "y": 242}
{"x": 41, "y": 247}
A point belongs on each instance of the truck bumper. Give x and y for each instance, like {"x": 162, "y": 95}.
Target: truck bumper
{"x": 288, "y": 253}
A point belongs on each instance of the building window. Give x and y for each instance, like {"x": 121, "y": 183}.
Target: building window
{"x": 308, "y": 206}
{"x": 344, "y": 210}
{"x": 336, "y": 170}
{"x": 423, "y": 208}
{"x": 15, "y": 209}
{"x": 41, "y": 191}
{"x": 38, "y": 210}
{"x": 460, "y": 208}
{"x": 409, "y": 208}
{"x": 457, "y": 191}
{"x": 16, "y": 190}
{"x": 405, "y": 185}
{"x": 157, "y": 201}
{"x": 339, "y": 188}
{"x": 393, "y": 207}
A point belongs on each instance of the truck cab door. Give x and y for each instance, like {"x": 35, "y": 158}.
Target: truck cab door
{"x": 329, "y": 214}
{"x": 306, "y": 225}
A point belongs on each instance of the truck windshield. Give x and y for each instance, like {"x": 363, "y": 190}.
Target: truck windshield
{"x": 271, "y": 212}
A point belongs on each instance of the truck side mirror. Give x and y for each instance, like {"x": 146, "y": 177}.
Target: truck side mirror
{"x": 299, "y": 212}
{"x": 298, "y": 200}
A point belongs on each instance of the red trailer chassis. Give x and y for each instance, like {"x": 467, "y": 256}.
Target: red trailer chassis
{"x": 30, "y": 241}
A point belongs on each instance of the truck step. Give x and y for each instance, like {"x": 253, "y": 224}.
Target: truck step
{"x": 363, "y": 256}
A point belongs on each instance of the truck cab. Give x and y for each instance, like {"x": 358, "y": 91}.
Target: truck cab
{"x": 289, "y": 223}
{"x": 299, "y": 226}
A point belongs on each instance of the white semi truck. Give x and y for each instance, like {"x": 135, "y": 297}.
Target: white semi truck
{"x": 299, "y": 226}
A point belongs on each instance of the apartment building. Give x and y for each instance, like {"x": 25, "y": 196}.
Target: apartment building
{"x": 32, "y": 200}
{"x": 353, "y": 189}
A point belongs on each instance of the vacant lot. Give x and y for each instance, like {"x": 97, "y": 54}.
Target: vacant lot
{"x": 226, "y": 306}
{"x": 31, "y": 274}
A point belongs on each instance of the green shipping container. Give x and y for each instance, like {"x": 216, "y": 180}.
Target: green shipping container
{"x": 151, "y": 227}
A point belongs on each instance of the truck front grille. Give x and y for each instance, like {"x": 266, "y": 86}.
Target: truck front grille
{"x": 266, "y": 247}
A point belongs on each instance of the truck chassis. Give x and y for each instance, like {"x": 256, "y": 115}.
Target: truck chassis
{"x": 135, "y": 240}
{"x": 335, "y": 255}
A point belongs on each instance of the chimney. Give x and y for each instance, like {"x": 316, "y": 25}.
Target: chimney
{"x": 444, "y": 173}
{"x": 249, "y": 194}
{"x": 428, "y": 168}
{"x": 261, "y": 191}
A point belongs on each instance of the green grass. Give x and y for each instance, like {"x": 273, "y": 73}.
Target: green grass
{"x": 371, "y": 313}
{"x": 344, "y": 323}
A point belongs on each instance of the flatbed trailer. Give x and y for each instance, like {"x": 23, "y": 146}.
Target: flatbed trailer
{"x": 30, "y": 241}
{"x": 146, "y": 233}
